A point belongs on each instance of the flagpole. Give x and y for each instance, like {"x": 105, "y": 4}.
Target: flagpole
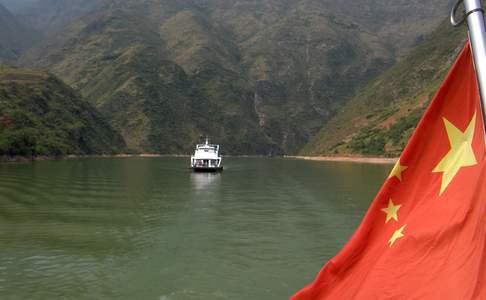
{"x": 474, "y": 15}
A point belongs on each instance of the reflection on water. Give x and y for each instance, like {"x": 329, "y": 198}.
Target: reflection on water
{"x": 202, "y": 181}
{"x": 149, "y": 228}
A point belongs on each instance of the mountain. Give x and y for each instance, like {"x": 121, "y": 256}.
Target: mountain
{"x": 15, "y": 37}
{"x": 259, "y": 77}
{"x": 40, "y": 115}
{"x": 381, "y": 117}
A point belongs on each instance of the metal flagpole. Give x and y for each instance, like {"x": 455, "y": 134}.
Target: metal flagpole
{"x": 474, "y": 15}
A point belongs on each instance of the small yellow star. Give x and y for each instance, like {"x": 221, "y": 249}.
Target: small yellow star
{"x": 391, "y": 211}
{"x": 396, "y": 235}
{"x": 460, "y": 155}
{"x": 397, "y": 171}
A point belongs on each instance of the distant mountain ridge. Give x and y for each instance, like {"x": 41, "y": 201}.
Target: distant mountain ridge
{"x": 48, "y": 16}
{"x": 15, "y": 37}
{"x": 15, "y": 5}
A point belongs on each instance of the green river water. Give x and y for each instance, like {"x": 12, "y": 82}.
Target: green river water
{"x": 148, "y": 228}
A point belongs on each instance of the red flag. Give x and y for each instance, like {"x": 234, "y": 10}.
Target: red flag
{"x": 424, "y": 236}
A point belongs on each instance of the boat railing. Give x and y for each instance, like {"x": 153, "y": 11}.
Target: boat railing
{"x": 207, "y": 147}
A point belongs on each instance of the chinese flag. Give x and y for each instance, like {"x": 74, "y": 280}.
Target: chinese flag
{"x": 424, "y": 236}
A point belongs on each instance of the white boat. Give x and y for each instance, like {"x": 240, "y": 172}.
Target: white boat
{"x": 206, "y": 158}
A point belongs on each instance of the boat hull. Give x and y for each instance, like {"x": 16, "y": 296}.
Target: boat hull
{"x": 207, "y": 169}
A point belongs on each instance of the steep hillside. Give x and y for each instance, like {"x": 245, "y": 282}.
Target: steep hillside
{"x": 40, "y": 115}
{"x": 400, "y": 23}
{"x": 260, "y": 77}
{"x": 15, "y": 37}
{"x": 381, "y": 118}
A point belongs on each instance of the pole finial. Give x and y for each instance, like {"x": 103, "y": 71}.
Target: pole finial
{"x": 454, "y": 9}
{"x": 455, "y": 22}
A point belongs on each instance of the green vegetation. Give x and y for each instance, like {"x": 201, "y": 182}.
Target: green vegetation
{"x": 380, "y": 119}
{"x": 41, "y": 116}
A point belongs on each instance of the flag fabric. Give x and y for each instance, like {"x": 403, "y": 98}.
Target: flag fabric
{"x": 424, "y": 236}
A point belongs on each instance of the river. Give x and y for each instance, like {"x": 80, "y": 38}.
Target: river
{"x": 148, "y": 228}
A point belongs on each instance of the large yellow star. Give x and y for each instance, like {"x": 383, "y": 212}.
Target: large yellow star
{"x": 391, "y": 211}
{"x": 396, "y": 235}
{"x": 397, "y": 171}
{"x": 461, "y": 153}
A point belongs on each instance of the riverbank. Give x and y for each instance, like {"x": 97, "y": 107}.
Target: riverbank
{"x": 145, "y": 155}
{"x": 25, "y": 159}
{"x": 354, "y": 159}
